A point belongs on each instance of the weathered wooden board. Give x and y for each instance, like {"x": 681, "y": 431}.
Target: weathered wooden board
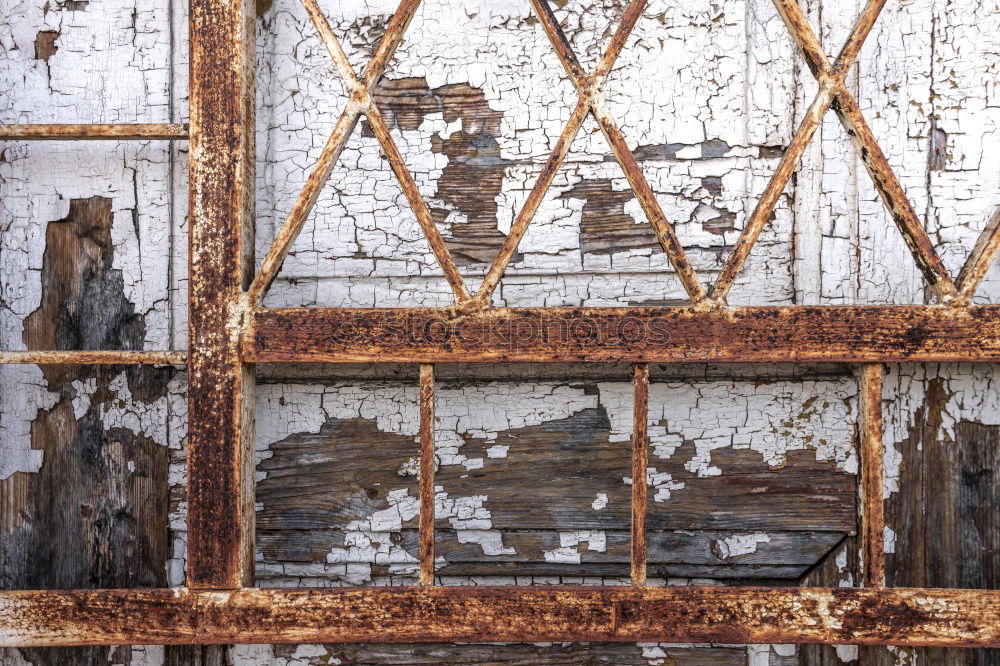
{"x": 337, "y": 499}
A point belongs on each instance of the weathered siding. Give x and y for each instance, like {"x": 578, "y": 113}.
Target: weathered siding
{"x": 752, "y": 469}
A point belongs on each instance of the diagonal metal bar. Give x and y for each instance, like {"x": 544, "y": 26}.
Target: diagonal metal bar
{"x": 830, "y": 81}
{"x": 980, "y": 259}
{"x": 359, "y": 103}
{"x": 332, "y": 45}
{"x": 633, "y": 172}
{"x": 587, "y": 93}
{"x": 417, "y": 203}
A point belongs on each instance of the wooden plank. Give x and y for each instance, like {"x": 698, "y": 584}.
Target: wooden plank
{"x": 220, "y": 420}
{"x": 117, "y": 132}
{"x": 670, "y": 553}
{"x": 426, "y": 475}
{"x": 345, "y": 472}
{"x": 640, "y": 461}
{"x": 561, "y": 613}
{"x": 853, "y": 334}
{"x": 514, "y": 654}
{"x": 95, "y": 357}
{"x": 872, "y": 507}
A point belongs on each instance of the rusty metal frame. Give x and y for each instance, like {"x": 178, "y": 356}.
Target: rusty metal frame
{"x": 230, "y": 331}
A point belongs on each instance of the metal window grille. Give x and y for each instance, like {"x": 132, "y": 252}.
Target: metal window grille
{"x": 230, "y": 331}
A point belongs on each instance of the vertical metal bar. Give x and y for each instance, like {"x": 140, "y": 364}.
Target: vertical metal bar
{"x": 872, "y": 509}
{"x": 426, "y": 474}
{"x": 640, "y": 458}
{"x": 220, "y": 395}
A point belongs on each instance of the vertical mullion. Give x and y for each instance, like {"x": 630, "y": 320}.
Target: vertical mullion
{"x": 640, "y": 457}
{"x": 872, "y": 506}
{"x": 220, "y": 395}
{"x": 426, "y": 474}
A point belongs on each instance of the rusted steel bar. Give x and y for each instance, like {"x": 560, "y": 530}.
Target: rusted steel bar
{"x": 640, "y": 461}
{"x": 220, "y": 550}
{"x": 303, "y": 205}
{"x": 86, "y": 357}
{"x": 633, "y": 172}
{"x": 894, "y": 197}
{"x": 888, "y": 616}
{"x": 360, "y": 102}
{"x": 871, "y": 454}
{"x": 426, "y": 474}
{"x": 531, "y": 204}
{"x": 844, "y": 104}
{"x": 561, "y": 45}
{"x": 647, "y": 199}
{"x": 982, "y": 256}
{"x": 589, "y": 88}
{"x": 417, "y": 203}
{"x": 831, "y": 84}
{"x": 115, "y": 132}
{"x": 846, "y": 334}
{"x": 333, "y": 46}
{"x": 390, "y": 41}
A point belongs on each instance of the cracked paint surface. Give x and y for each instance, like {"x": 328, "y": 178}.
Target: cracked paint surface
{"x": 706, "y": 93}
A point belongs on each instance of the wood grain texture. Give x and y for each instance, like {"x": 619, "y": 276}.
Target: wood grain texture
{"x": 669, "y": 334}
{"x": 944, "y": 515}
{"x": 220, "y": 395}
{"x": 933, "y": 617}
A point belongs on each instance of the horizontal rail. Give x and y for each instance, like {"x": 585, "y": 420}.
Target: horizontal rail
{"x": 847, "y": 334}
{"x": 919, "y": 617}
{"x": 118, "y": 132}
{"x": 82, "y": 357}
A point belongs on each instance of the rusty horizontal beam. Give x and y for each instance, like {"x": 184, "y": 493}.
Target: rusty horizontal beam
{"x": 117, "y": 132}
{"x": 83, "y": 357}
{"x": 848, "y": 334}
{"x": 920, "y": 617}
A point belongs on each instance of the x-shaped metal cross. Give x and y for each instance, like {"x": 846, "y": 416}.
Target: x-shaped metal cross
{"x": 833, "y": 92}
{"x": 360, "y": 102}
{"x": 589, "y": 90}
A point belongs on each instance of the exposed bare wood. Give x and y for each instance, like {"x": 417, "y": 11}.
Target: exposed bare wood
{"x": 640, "y": 461}
{"x": 417, "y": 203}
{"x": 916, "y": 616}
{"x": 588, "y": 88}
{"x": 531, "y": 204}
{"x": 848, "y": 334}
{"x": 360, "y": 102}
{"x": 95, "y": 357}
{"x": 220, "y": 397}
{"x": 871, "y": 455}
{"x": 427, "y": 474}
{"x": 981, "y": 258}
{"x": 113, "y": 132}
